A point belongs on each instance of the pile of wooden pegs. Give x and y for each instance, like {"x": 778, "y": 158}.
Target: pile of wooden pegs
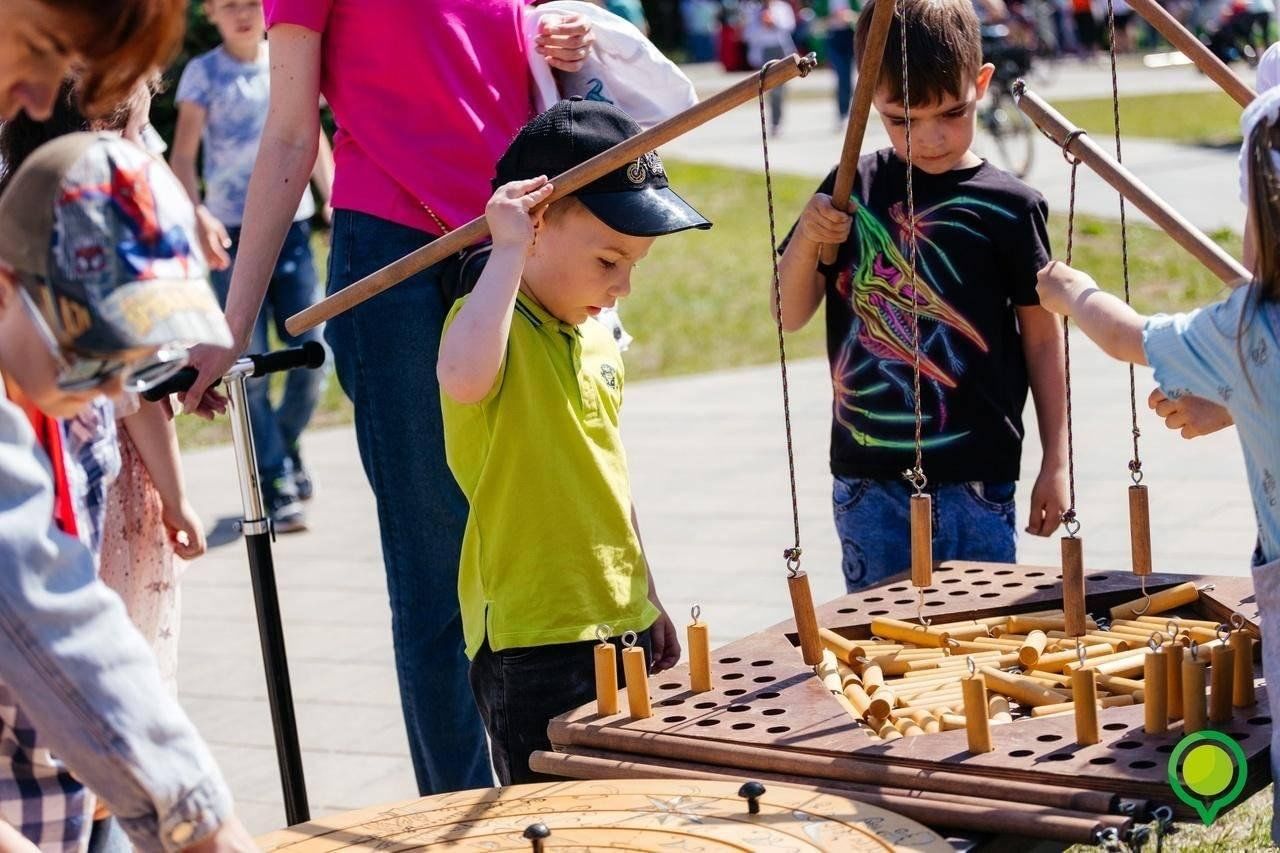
{"x": 912, "y": 679}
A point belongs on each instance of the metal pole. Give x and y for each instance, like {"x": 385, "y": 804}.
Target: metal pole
{"x": 257, "y": 538}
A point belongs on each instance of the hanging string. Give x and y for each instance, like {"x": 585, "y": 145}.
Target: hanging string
{"x": 916, "y": 474}
{"x": 792, "y": 554}
{"x": 1135, "y": 464}
{"x": 1069, "y": 518}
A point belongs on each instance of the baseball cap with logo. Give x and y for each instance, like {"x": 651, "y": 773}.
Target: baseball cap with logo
{"x": 633, "y": 199}
{"x": 102, "y": 236}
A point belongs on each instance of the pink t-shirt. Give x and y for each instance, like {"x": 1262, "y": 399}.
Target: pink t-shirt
{"x": 426, "y": 96}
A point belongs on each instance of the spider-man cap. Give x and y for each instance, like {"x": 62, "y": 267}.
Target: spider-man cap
{"x": 103, "y": 236}
{"x": 633, "y": 199}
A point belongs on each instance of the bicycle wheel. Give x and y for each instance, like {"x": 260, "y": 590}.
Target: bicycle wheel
{"x": 1012, "y": 135}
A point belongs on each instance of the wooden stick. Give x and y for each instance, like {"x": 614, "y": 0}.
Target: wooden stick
{"x": 1140, "y": 529}
{"x": 1155, "y": 704}
{"x": 977, "y": 726}
{"x": 1024, "y": 690}
{"x": 1191, "y": 47}
{"x": 1072, "y": 707}
{"x": 1118, "y": 684}
{"x": 1032, "y": 647}
{"x": 1242, "y": 695}
{"x": 1062, "y": 132}
{"x": 1194, "y": 712}
{"x": 699, "y": 657}
{"x": 847, "y": 650}
{"x": 1116, "y": 642}
{"x": 1165, "y": 599}
{"x": 564, "y": 184}
{"x": 806, "y": 619}
{"x": 636, "y": 670}
{"x": 872, "y": 678}
{"x": 1221, "y": 684}
{"x": 1073, "y": 586}
{"x": 908, "y": 632}
{"x": 859, "y": 698}
{"x": 1174, "y": 655}
{"x": 859, "y": 113}
{"x": 908, "y": 727}
{"x": 1084, "y": 695}
{"x": 606, "y": 679}
{"x": 921, "y": 531}
{"x": 1120, "y": 663}
{"x": 1026, "y": 624}
{"x": 828, "y": 672}
{"x": 1159, "y": 623}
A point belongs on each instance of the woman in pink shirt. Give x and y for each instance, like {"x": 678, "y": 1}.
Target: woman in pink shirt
{"x": 426, "y": 98}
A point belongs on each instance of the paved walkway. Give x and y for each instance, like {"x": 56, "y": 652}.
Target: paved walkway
{"x": 1198, "y": 182}
{"x": 709, "y": 472}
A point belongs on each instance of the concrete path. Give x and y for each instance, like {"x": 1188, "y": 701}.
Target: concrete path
{"x": 708, "y": 462}
{"x": 1198, "y": 182}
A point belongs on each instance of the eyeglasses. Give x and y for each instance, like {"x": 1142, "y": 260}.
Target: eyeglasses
{"x": 84, "y": 373}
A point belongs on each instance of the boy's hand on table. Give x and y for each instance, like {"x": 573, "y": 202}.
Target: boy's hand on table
{"x": 666, "y": 642}
{"x": 821, "y": 223}
{"x": 1192, "y": 416}
{"x": 1049, "y": 499}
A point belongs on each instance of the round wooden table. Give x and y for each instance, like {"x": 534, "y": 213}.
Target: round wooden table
{"x": 631, "y": 814}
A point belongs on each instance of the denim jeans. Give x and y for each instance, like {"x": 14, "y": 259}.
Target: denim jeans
{"x": 971, "y": 521}
{"x": 385, "y": 353}
{"x": 840, "y": 52}
{"x": 293, "y": 287}
{"x": 520, "y": 690}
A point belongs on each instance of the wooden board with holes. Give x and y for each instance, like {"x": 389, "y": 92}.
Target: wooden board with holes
{"x": 768, "y": 711}
{"x": 630, "y": 814}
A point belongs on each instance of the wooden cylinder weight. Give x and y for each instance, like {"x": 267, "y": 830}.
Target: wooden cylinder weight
{"x": 806, "y": 619}
{"x": 921, "y": 541}
{"x": 699, "y": 655}
{"x": 1073, "y": 586}
{"x": 1084, "y": 693}
{"x": 1194, "y": 711}
{"x": 1242, "y": 695}
{"x": 606, "y": 679}
{"x": 1140, "y": 529}
{"x": 977, "y": 726}
{"x": 636, "y": 670}
{"x": 1221, "y": 684}
{"x": 1155, "y": 703}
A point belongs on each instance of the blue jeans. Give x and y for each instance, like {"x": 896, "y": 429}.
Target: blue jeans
{"x": 971, "y": 521}
{"x": 385, "y": 353}
{"x": 840, "y": 52}
{"x": 276, "y": 429}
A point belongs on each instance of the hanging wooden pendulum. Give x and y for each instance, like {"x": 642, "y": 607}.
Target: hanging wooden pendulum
{"x": 1242, "y": 646}
{"x": 699, "y": 653}
{"x": 636, "y": 670}
{"x": 606, "y": 674}
{"x": 802, "y": 608}
{"x": 1139, "y": 527}
{"x": 1073, "y": 594}
{"x": 921, "y": 540}
{"x": 1194, "y": 712}
{"x": 1084, "y": 695}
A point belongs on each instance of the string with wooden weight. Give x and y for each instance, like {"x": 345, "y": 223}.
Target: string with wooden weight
{"x": 1139, "y": 506}
{"x": 1073, "y": 593}
{"x": 797, "y": 581}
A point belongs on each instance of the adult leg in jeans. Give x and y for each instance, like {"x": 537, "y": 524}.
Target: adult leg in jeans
{"x": 840, "y": 50}
{"x": 293, "y": 287}
{"x": 874, "y": 529}
{"x": 268, "y": 448}
{"x": 385, "y": 353}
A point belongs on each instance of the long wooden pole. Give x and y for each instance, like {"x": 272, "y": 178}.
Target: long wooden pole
{"x": 863, "y": 94}
{"x": 565, "y": 184}
{"x": 1079, "y": 145}
{"x": 1178, "y": 36}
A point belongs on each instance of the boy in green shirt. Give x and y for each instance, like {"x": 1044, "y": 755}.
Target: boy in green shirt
{"x": 531, "y": 391}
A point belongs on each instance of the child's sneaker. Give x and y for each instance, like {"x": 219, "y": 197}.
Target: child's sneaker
{"x": 283, "y": 506}
{"x": 302, "y": 482}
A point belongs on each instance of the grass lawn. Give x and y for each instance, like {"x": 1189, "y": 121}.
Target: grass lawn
{"x": 700, "y": 301}
{"x": 1194, "y": 118}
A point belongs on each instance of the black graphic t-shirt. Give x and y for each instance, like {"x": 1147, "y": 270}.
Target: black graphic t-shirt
{"x": 981, "y": 237}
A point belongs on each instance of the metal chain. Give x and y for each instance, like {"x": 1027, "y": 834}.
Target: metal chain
{"x": 916, "y": 474}
{"x": 1069, "y": 519}
{"x": 792, "y": 554}
{"x": 1135, "y": 464}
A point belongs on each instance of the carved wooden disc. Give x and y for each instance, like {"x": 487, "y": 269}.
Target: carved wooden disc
{"x": 632, "y": 814}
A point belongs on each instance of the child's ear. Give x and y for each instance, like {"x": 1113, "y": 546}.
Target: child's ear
{"x": 985, "y": 73}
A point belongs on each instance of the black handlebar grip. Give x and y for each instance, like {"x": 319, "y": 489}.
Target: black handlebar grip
{"x": 309, "y": 355}
{"x": 175, "y": 384}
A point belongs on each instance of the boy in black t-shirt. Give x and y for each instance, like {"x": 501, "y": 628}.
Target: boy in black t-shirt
{"x": 980, "y": 237}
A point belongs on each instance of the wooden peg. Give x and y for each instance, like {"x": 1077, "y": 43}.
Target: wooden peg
{"x": 858, "y": 698}
{"x": 1073, "y": 586}
{"x": 806, "y": 619}
{"x": 1221, "y": 684}
{"x": 921, "y": 541}
{"x": 606, "y": 678}
{"x": 1084, "y": 693}
{"x": 1164, "y": 600}
{"x": 699, "y": 654}
{"x": 1194, "y": 711}
{"x": 1155, "y": 702}
{"x": 1175, "y": 653}
{"x": 882, "y": 702}
{"x": 636, "y": 670}
{"x": 976, "y": 724}
{"x": 1140, "y": 530}
{"x": 1032, "y": 647}
{"x": 872, "y": 678}
{"x": 1242, "y": 696}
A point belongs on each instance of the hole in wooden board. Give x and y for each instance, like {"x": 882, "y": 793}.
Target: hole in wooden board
{"x": 1259, "y": 721}
{"x": 702, "y": 706}
{"x": 1012, "y": 584}
{"x": 980, "y": 583}
{"x": 1045, "y": 586}
{"x": 1049, "y": 738}
{"x": 1022, "y": 753}
{"x": 897, "y": 589}
{"x": 670, "y": 685}
{"x": 1004, "y": 572}
{"x": 1128, "y": 744}
{"x": 773, "y": 712}
{"x": 762, "y": 663}
{"x": 741, "y": 727}
{"x": 1116, "y": 727}
{"x": 1034, "y": 574}
{"x": 973, "y": 571}
{"x": 712, "y": 721}
{"x": 940, "y": 569}
{"x": 671, "y": 702}
{"x": 1102, "y": 760}
{"x": 904, "y": 601}
{"x": 878, "y": 613}
{"x": 730, "y": 660}
{"x": 934, "y": 603}
{"x": 847, "y": 610}
{"x": 1165, "y": 748}
{"x": 958, "y": 592}
{"x": 1142, "y": 765}
{"x": 777, "y": 730}
{"x": 764, "y": 679}
{"x": 1239, "y": 736}
{"x": 873, "y": 599}
{"x": 674, "y": 719}
{"x": 989, "y": 595}
{"x": 731, "y": 676}
{"x": 1097, "y": 577}
{"x": 737, "y": 691}
{"x": 738, "y": 709}
{"x": 1058, "y": 756}
{"x": 951, "y": 580}
{"x": 768, "y": 694}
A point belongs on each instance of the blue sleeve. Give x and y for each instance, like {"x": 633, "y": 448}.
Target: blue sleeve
{"x": 1197, "y": 353}
{"x": 84, "y": 675}
{"x": 193, "y": 85}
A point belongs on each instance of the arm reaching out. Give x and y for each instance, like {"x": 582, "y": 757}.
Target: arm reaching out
{"x": 1108, "y": 321}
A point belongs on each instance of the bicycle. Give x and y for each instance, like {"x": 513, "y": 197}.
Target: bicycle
{"x": 999, "y": 116}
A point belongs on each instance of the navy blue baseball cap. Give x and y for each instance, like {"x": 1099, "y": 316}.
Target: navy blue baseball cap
{"x": 633, "y": 199}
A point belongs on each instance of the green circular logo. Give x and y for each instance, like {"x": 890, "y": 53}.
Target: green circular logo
{"x": 1208, "y": 771}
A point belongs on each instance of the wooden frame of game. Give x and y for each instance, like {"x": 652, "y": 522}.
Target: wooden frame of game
{"x": 768, "y": 716}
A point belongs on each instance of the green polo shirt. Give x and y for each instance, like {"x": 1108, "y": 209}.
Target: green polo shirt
{"x": 549, "y": 551}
